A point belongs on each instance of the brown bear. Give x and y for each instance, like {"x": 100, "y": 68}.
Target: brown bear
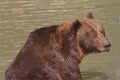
{"x": 54, "y": 52}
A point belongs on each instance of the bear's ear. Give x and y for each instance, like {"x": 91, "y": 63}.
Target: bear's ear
{"x": 90, "y": 15}
{"x": 75, "y": 26}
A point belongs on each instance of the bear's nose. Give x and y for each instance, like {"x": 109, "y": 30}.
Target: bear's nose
{"x": 107, "y": 45}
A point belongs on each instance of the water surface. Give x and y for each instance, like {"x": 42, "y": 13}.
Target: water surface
{"x": 19, "y": 17}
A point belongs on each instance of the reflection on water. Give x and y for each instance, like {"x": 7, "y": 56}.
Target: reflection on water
{"x": 19, "y": 17}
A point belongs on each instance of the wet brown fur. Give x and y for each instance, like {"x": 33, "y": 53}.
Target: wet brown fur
{"x": 54, "y": 52}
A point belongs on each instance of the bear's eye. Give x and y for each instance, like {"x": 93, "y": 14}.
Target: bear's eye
{"x": 91, "y": 34}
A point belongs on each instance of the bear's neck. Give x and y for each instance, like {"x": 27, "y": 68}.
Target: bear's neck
{"x": 70, "y": 50}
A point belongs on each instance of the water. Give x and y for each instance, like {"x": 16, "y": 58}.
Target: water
{"x": 19, "y": 17}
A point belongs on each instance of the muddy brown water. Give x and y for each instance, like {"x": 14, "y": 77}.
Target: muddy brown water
{"x": 19, "y": 17}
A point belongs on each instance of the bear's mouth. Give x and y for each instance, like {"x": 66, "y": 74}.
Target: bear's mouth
{"x": 102, "y": 50}
{"x": 107, "y": 49}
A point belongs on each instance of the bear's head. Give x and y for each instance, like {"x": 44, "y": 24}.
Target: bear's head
{"x": 91, "y": 35}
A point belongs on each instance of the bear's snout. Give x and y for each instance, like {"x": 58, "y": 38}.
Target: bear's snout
{"x": 107, "y": 46}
